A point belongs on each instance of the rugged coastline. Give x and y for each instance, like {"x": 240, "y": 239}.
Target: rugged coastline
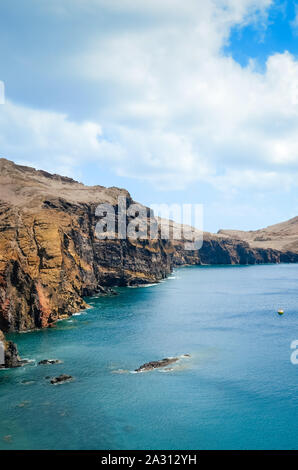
{"x": 50, "y": 257}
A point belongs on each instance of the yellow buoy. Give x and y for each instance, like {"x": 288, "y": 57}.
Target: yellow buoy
{"x": 280, "y": 312}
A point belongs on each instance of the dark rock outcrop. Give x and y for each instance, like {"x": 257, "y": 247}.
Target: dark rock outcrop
{"x": 157, "y": 364}
{"x": 61, "y": 379}
{"x": 45, "y": 362}
{"x": 11, "y": 355}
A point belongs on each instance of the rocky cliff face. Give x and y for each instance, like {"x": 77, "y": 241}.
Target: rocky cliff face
{"x": 281, "y": 237}
{"x": 218, "y": 249}
{"x": 50, "y": 257}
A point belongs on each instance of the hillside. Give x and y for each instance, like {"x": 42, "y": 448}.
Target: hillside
{"x": 282, "y": 237}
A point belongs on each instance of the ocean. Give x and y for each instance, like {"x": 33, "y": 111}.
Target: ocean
{"x": 237, "y": 390}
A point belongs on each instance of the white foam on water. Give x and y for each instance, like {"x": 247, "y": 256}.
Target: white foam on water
{"x": 28, "y": 382}
{"x": 29, "y": 361}
{"x": 143, "y": 286}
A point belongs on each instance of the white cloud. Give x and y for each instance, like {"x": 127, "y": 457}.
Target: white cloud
{"x": 182, "y": 111}
{"x": 51, "y": 141}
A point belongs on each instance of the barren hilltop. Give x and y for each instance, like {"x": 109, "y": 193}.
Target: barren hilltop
{"x": 282, "y": 237}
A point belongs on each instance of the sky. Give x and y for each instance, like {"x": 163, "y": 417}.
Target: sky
{"x": 178, "y": 102}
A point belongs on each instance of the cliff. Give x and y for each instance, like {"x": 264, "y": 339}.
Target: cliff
{"x": 50, "y": 257}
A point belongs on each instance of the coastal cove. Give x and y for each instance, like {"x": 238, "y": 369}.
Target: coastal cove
{"x": 238, "y": 388}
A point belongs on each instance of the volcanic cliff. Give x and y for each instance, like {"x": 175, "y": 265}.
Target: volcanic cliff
{"x": 50, "y": 257}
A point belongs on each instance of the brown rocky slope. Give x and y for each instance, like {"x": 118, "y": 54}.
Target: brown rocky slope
{"x": 50, "y": 257}
{"x": 282, "y": 237}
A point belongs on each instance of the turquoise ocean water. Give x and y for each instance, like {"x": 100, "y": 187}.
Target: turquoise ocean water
{"x": 237, "y": 391}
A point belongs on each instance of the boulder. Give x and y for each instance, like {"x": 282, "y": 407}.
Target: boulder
{"x": 61, "y": 379}
{"x": 156, "y": 364}
{"x": 49, "y": 362}
{"x": 11, "y": 355}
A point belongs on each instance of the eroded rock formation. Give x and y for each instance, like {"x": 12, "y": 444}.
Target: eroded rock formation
{"x": 61, "y": 379}
{"x": 157, "y": 364}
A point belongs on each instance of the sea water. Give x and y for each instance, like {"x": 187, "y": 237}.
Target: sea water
{"x": 238, "y": 390}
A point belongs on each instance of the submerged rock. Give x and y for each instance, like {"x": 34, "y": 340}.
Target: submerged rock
{"x": 49, "y": 362}
{"x": 156, "y": 364}
{"x": 61, "y": 379}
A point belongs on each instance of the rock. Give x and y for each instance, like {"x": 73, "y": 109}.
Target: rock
{"x": 12, "y": 358}
{"x": 11, "y": 355}
{"x": 156, "y": 364}
{"x": 61, "y": 379}
{"x": 49, "y": 362}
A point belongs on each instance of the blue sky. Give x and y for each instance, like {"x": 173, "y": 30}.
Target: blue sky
{"x": 179, "y": 102}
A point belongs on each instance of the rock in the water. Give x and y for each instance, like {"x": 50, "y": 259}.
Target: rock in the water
{"x": 11, "y": 355}
{"x": 156, "y": 364}
{"x": 49, "y": 362}
{"x": 61, "y": 379}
